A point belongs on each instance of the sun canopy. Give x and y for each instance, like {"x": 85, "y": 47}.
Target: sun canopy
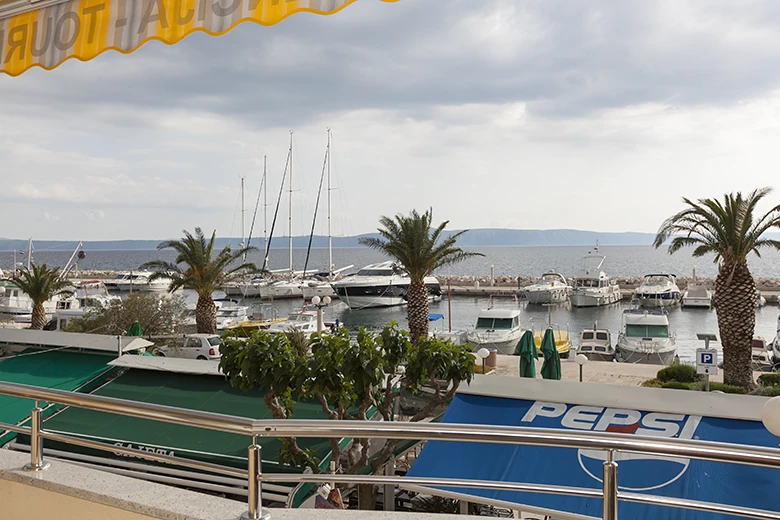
{"x": 202, "y": 367}
{"x": 69, "y": 371}
{"x": 55, "y": 338}
{"x": 48, "y": 32}
{"x": 632, "y": 411}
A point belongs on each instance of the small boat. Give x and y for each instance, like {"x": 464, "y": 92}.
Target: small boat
{"x": 645, "y": 338}
{"x": 92, "y": 295}
{"x": 138, "y": 281}
{"x": 760, "y": 300}
{"x": 596, "y": 344}
{"x": 592, "y": 287}
{"x": 228, "y": 312}
{"x": 550, "y": 288}
{"x": 697, "y": 295}
{"x": 775, "y": 345}
{"x": 380, "y": 285}
{"x": 658, "y": 290}
{"x": 302, "y": 320}
{"x": 761, "y": 355}
{"x": 497, "y": 328}
{"x": 562, "y": 339}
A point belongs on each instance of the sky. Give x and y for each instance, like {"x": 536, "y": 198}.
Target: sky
{"x": 545, "y": 114}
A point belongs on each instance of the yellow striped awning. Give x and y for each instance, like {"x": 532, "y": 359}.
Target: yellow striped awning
{"x": 47, "y": 32}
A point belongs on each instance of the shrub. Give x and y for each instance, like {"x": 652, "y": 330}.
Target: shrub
{"x": 678, "y": 372}
{"x": 767, "y": 391}
{"x": 769, "y": 380}
{"x": 726, "y": 389}
{"x": 652, "y": 383}
{"x": 677, "y": 385}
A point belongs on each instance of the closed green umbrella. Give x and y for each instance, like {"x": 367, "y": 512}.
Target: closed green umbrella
{"x": 526, "y": 349}
{"x": 135, "y": 330}
{"x": 551, "y": 369}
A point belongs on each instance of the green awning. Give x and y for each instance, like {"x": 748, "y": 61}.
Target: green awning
{"x": 58, "y": 370}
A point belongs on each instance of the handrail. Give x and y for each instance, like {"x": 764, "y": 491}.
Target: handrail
{"x": 609, "y": 442}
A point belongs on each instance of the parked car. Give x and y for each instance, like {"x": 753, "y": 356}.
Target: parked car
{"x": 191, "y": 346}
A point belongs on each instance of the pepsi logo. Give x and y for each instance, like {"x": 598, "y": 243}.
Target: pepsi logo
{"x": 638, "y": 472}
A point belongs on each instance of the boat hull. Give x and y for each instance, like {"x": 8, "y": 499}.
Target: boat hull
{"x": 597, "y": 356}
{"x": 650, "y": 355}
{"x": 370, "y": 296}
{"x": 504, "y": 345}
{"x": 653, "y": 302}
{"x": 542, "y": 297}
{"x": 696, "y": 303}
{"x": 594, "y": 299}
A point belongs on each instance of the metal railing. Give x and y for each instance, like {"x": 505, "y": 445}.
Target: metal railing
{"x": 611, "y": 443}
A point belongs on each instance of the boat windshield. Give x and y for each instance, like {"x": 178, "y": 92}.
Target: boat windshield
{"x": 647, "y": 331}
{"x": 587, "y": 282}
{"x": 495, "y": 323}
{"x": 601, "y": 335}
{"x": 375, "y": 272}
{"x": 587, "y": 335}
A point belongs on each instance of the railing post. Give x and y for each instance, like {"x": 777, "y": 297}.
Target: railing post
{"x": 610, "y": 488}
{"x": 36, "y": 443}
{"x": 255, "y": 487}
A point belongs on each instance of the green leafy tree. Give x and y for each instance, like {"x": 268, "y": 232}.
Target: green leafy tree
{"x": 420, "y": 250}
{"x": 156, "y": 314}
{"x": 350, "y": 378}
{"x": 198, "y": 268}
{"x": 41, "y": 284}
{"x": 730, "y": 229}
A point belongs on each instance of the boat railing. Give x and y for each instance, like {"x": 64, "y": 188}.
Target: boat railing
{"x": 610, "y": 443}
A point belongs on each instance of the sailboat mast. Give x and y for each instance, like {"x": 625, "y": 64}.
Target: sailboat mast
{"x": 243, "y": 221}
{"x": 330, "y": 236}
{"x": 29, "y": 253}
{"x": 265, "y": 204}
{"x": 292, "y": 270}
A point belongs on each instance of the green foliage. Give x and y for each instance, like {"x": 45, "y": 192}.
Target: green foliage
{"x": 677, "y": 385}
{"x": 726, "y": 389}
{"x": 157, "y": 315}
{"x": 678, "y": 372}
{"x": 418, "y": 247}
{"x": 769, "y": 379}
{"x": 196, "y": 266}
{"x": 41, "y": 283}
{"x": 767, "y": 391}
{"x": 652, "y": 383}
{"x": 431, "y": 360}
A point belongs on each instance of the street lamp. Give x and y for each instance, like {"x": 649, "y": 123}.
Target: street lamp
{"x": 770, "y": 416}
{"x": 320, "y": 303}
{"x": 483, "y": 353}
{"x": 581, "y": 359}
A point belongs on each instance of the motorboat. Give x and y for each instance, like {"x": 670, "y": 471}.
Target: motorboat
{"x": 302, "y": 320}
{"x": 697, "y": 295}
{"x": 760, "y": 300}
{"x": 658, "y": 290}
{"x": 550, "y": 288}
{"x": 761, "y": 355}
{"x": 775, "y": 345}
{"x": 645, "y": 338}
{"x": 229, "y": 312}
{"x": 596, "y": 344}
{"x": 16, "y": 305}
{"x": 562, "y": 338}
{"x": 92, "y": 295}
{"x": 592, "y": 286}
{"x": 139, "y": 281}
{"x": 380, "y": 285}
{"x": 497, "y": 328}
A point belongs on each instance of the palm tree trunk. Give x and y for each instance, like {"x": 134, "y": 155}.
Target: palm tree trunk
{"x": 736, "y": 309}
{"x": 38, "y": 317}
{"x": 206, "y": 315}
{"x": 417, "y": 310}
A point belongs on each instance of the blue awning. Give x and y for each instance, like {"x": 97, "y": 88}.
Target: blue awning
{"x": 632, "y": 411}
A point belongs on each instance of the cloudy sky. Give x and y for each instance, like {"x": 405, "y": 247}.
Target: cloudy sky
{"x": 497, "y": 113}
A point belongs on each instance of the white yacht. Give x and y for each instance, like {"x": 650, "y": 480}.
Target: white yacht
{"x": 550, "y": 288}
{"x": 229, "y": 312}
{"x": 16, "y": 305}
{"x": 138, "y": 281}
{"x": 91, "y": 295}
{"x": 596, "y": 344}
{"x": 497, "y": 328}
{"x": 658, "y": 290}
{"x": 592, "y": 286}
{"x": 380, "y": 285}
{"x": 645, "y": 338}
{"x": 697, "y": 295}
{"x": 302, "y": 320}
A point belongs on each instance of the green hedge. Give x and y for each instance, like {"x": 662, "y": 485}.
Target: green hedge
{"x": 726, "y": 389}
{"x": 767, "y": 391}
{"x": 769, "y": 380}
{"x": 677, "y": 385}
{"x": 678, "y": 372}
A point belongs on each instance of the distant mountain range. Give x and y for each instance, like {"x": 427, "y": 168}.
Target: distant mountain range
{"x": 474, "y": 238}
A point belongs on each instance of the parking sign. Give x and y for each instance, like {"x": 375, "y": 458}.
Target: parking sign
{"x": 706, "y": 361}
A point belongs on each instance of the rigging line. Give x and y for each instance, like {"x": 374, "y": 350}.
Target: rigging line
{"x": 316, "y": 208}
{"x": 276, "y": 211}
{"x": 233, "y": 224}
{"x": 254, "y": 216}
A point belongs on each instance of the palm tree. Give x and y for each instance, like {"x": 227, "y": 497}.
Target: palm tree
{"x": 731, "y": 230}
{"x": 418, "y": 249}
{"x": 41, "y": 284}
{"x": 197, "y": 268}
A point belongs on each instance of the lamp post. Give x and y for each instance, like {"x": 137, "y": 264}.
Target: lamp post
{"x": 483, "y": 353}
{"x": 320, "y": 303}
{"x": 581, "y": 359}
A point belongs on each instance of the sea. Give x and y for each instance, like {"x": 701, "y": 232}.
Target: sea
{"x": 461, "y": 312}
